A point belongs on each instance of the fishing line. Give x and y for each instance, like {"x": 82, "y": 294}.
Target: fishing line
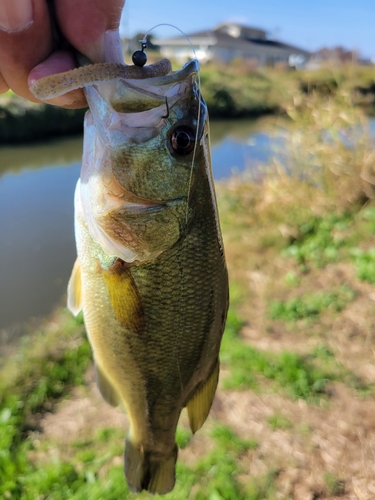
{"x": 144, "y": 41}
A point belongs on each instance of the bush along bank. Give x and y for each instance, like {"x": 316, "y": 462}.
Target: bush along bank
{"x": 23, "y": 121}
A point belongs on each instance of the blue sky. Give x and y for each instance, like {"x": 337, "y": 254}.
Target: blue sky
{"x": 307, "y": 24}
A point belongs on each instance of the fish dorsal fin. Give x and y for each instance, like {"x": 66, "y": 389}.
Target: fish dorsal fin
{"x": 74, "y": 302}
{"x": 199, "y": 405}
{"x": 108, "y": 392}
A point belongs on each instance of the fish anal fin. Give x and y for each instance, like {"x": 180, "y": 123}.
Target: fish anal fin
{"x": 149, "y": 471}
{"x": 108, "y": 392}
{"x": 74, "y": 302}
{"x": 199, "y": 405}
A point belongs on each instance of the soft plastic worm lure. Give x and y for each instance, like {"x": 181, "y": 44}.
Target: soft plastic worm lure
{"x": 59, "y": 84}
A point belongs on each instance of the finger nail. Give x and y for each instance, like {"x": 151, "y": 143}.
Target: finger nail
{"x": 112, "y": 47}
{"x": 15, "y": 15}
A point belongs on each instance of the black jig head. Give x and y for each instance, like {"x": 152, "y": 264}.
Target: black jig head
{"x": 139, "y": 57}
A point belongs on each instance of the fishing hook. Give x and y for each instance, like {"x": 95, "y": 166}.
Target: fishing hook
{"x": 166, "y": 103}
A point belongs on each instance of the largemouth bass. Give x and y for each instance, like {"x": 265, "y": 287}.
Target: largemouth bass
{"x": 150, "y": 275}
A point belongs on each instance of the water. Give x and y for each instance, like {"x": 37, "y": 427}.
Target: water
{"x": 240, "y": 144}
{"x": 37, "y": 183}
{"x": 36, "y": 227}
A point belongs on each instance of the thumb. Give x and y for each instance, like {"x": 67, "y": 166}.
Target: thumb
{"x": 91, "y": 26}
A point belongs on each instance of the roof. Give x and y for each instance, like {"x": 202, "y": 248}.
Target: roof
{"x": 220, "y": 38}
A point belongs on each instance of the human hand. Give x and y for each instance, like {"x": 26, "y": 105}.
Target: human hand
{"x": 28, "y": 50}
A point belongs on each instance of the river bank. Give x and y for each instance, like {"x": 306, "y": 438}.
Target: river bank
{"x": 234, "y": 91}
{"x": 22, "y": 121}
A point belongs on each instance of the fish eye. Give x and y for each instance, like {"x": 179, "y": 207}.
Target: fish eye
{"x": 183, "y": 140}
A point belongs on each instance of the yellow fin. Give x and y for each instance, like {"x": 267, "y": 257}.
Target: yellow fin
{"x": 125, "y": 300}
{"x": 106, "y": 389}
{"x": 148, "y": 471}
{"x": 74, "y": 302}
{"x": 199, "y": 405}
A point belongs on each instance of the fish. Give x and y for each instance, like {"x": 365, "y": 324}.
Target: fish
{"x": 150, "y": 274}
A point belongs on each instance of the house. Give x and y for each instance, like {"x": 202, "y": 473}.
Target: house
{"x": 335, "y": 57}
{"x": 230, "y": 41}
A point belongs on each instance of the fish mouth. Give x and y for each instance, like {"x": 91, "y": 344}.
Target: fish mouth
{"x": 130, "y": 208}
{"x": 125, "y": 202}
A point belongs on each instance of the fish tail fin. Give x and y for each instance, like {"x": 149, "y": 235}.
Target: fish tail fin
{"x": 149, "y": 471}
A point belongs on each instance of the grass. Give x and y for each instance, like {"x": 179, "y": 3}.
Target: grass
{"x": 365, "y": 264}
{"x": 278, "y": 421}
{"x": 312, "y": 305}
{"x": 319, "y": 240}
{"x": 335, "y": 485}
{"x": 301, "y": 376}
{"x": 47, "y": 375}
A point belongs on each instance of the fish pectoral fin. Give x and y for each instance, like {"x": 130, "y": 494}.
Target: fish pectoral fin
{"x": 148, "y": 471}
{"x": 108, "y": 392}
{"x": 74, "y": 301}
{"x": 199, "y": 405}
{"x": 125, "y": 299}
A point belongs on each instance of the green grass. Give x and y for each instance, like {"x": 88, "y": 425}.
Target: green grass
{"x": 297, "y": 374}
{"x": 227, "y": 439}
{"x": 219, "y": 468}
{"x": 364, "y": 261}
{"x": 320, "y": 240}
{"x": 263, "y": 488}
{"x": 301, "y": 376}
{"x": 278, "y": 421}
{"x": 311, "y": 305}
{"x": 335, "y": 485}
{"x": 46, "y": 376}
{"x": 183, "y": 437}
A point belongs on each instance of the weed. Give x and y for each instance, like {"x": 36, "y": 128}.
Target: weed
{"x": 183, "y": 437}
{"x": 291, "y": 279}
{"x": 106, "y": 433}
{"x": 365, "y": 264}
{"x": 335, "y": 485}
{"x": 310, "y": 306}
{"x": 219, "y": 469}
{"x": 263, "y": 487}
{"x": 320, "y": 240}
{"x": 323, "y": 352}
{"x": 227, "y": 439}
{"x": 289, "y": 370}
{"x": 46, "y": 376}
{"x": 278, "y": 421}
